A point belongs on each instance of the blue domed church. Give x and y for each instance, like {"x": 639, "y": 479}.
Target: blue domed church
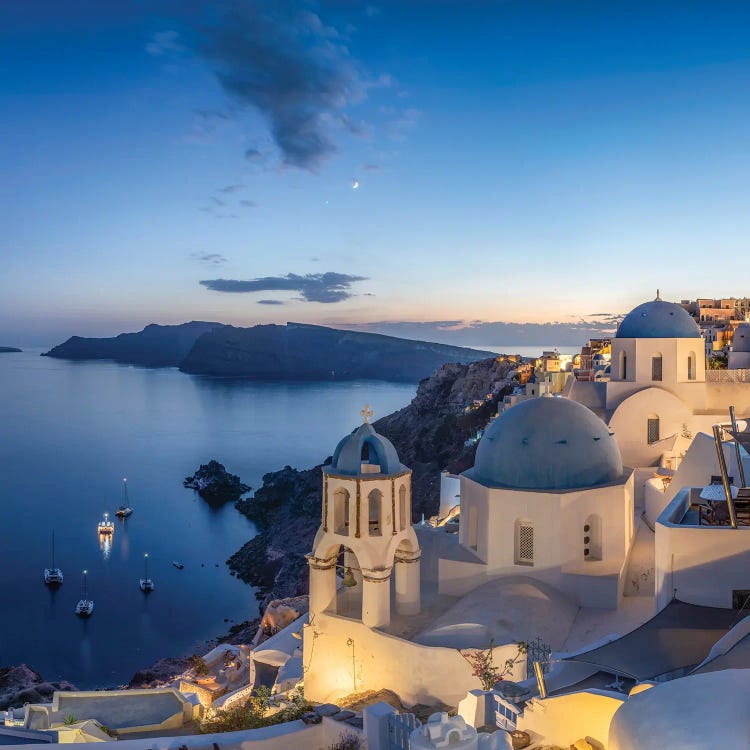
{"x": 548, "y": 497}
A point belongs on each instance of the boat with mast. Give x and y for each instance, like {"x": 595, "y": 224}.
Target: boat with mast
{"x": 146, "y": 583}
{"x": 85, "y": 606}
{"x": 124, "y": 511}
{"x": 53, "y": 575}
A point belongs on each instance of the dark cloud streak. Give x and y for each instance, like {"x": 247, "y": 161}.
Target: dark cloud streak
{"x": 329, "y": 287}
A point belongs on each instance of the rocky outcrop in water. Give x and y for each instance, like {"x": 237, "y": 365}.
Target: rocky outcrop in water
{"x": 8, "y": 349}
{"x": 22, "y": 684}
{"x": 430, "y": 434}
{"x": 215, "y": 484}
{"x": 154, "y": 346}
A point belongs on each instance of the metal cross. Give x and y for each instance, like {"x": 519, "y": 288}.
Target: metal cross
{"x": 367, "y": 412}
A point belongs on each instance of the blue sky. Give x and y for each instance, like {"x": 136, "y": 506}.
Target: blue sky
{"x": 515, "y": 161}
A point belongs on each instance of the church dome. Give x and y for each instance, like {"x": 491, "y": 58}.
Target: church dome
{"x": 547, "y": 443}
{"x": 658, "y": 319}
{"x": 741, "y": 338}
{"x": 364, "y": 446}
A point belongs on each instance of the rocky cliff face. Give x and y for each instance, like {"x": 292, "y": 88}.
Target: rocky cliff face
{"x": 305, "y": 352}
{"x": 21, "y": 684}
{"x": 154, "y": 346}
{"x": 429, "y": 434}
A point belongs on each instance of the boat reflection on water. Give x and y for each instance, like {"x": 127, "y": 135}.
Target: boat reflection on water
{"x": 105, "y": 545}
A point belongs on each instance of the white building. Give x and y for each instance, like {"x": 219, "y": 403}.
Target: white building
{"x": 547, "y": 498}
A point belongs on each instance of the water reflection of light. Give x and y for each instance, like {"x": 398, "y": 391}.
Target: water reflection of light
{"x": 105, "y": 545}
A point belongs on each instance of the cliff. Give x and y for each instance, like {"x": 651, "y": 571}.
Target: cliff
{"x": 305, "y": 352}
{"x": 154, "y": 346}
{"x": 429, "y": 435}
{"x": 21, "y": 684}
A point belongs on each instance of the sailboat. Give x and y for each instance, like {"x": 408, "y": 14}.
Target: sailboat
{"x": 85, "y": 606}
{"x": 124, "y": 510}
{"x": 53, "y": 575}
{"x": 146, "y": 583}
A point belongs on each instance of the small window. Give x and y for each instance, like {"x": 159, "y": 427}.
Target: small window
{"x": 691, "y": 366}
{"x": 375, "y": 499}
{"x": 656, "y": 367}
{"x": 624, "y": 367}
{"x": 652, "y": 430}
{"x": 524, "y": 543}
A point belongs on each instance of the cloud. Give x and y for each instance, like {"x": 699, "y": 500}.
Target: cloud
{"x": 248, "y": 204}
{"x": 231, "y": 189}
{"x": 215, "y": 259}
{"x": 252, "y": 154}
{"x": 370, "y": 167}
{"x": 326, "y": 287}
{"x": 290, "y": 66}
{"x": 270, "y": 302}
{"x": 164, "y": 43}
{"x": 218, "y": 201}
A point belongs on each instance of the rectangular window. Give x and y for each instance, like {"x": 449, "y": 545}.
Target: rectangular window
{"x": 653, "y": 430}
{"x": 525, "y": 545}
{"x": 656, "y": 368}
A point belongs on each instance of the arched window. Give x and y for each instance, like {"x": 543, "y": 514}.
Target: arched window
{"x": 592, "y": 538}
{"x": 341, "y": 511}
{"x": 375, "y": 503}
{"x": 652, "y": 429}
{"x": 656, "y": 367}
{"x": 524, "y": 543}
{"x": 402, "y": 507}
{"x": 473, "y": 527}
{"x": 691, "y": 366}
{"x": 623, "y": 366}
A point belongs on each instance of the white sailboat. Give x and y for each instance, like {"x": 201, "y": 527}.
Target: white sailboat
{"x": 85, "y": 606}
{"x": 146, "y": 583}
{"x": 53, "y": 575}
{"x": 124, "y": 511}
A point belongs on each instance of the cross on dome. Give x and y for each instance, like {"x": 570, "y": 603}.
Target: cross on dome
{"x": 367, "y": 412}
{"x": 658, "y": 296}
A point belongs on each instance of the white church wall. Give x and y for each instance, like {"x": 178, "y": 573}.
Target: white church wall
{"x": 558, "y": 521}
{"x": 703, "y": 563}
{"x": 347, "y": 657}
{"x": 630, "y": 425}
{"x": 562, "y": 720}
{"x": 720, "y": 396}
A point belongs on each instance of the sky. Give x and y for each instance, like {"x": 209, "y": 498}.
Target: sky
{"x": 396, "y": 166}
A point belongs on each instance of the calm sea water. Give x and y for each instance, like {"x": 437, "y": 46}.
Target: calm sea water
{"x": 69, "y": 433}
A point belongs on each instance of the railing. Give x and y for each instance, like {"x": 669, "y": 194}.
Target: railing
{"x": 728, "y": 376}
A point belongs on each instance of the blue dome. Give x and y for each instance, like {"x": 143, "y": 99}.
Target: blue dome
{"x": 741, "y": 338}
{"x": 364, "y": 446}
{"x": 658, "y": 320}
{"x": 547, "y": 443}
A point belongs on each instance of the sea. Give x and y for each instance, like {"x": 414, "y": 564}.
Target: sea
{"x": 70, "y": 432}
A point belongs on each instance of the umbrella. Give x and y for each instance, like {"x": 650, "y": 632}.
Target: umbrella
{"x": 742, "y": 437}
{"x": 715, "y": 492}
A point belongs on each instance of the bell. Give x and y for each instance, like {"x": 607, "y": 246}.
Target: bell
{"x": 348, "y": 579}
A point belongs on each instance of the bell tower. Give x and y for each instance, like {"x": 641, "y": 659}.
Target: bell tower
{"x": 366, "y": 514}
